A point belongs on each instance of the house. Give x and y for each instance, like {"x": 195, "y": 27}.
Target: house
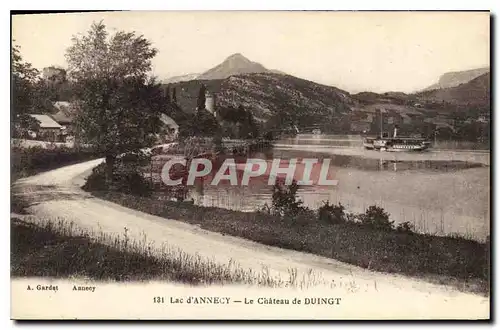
{"x": 49, "y": 129}
{"x": 171, "y": 128}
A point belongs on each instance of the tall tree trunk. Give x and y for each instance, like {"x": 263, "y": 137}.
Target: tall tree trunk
{"x": 110, "y": 162}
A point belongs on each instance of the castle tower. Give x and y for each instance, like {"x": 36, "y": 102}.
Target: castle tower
{"x": 210, "y": 102}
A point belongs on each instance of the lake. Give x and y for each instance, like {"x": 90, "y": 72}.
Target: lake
{"x": 439, "y": 191}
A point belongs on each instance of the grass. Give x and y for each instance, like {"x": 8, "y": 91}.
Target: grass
{"x": 447, "y": 260}
{"x": 33, "y": 160}
{"x": 58, "y": 249}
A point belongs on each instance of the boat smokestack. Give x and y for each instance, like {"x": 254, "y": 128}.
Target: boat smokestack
{"x": 395, "y": 131}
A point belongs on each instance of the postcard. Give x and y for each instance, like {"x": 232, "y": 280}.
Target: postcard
{"x": 250, "y": 165}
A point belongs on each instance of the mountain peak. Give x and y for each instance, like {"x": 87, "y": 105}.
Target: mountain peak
{"x": 237, "y": 58}
{"x": 233, "y": 65}
{"x": 236, "y": 55}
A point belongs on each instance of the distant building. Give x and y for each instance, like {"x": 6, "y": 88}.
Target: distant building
{"x": 49, "y": 129}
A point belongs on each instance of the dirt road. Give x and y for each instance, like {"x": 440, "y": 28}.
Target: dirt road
{"x": 57, "y": 194}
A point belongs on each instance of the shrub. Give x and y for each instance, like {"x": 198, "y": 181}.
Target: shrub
{"x": 96, "y": 181}
{"x": 129, "y": 180}
{"x": 375, "y": 217}
{"x": 406, "y": 227}
{"x": 265, "y": 209}
{"x": 353, "y": 217}
{"x": 331, "y": 213}
{"x": 285, "y": 202}
{"x": 126, "y": 179}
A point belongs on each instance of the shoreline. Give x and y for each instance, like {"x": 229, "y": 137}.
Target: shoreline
{"x": 475, "y": 157}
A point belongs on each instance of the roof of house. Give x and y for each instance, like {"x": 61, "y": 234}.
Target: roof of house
{"x": 168, "y": 121}
{"x": 46, "y": 121}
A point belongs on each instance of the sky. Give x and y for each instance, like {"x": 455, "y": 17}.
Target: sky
{"x": 354, "y": 51}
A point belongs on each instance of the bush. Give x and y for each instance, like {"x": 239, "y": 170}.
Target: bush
{"x": 126, "y": 179}
{"x": 406, "y": 227}
{"x": 285, "y": 202}
{"x": 353, "y": 217}
{"x": 96, "y": 181}
{"x": 331, "y": 213}
{"x": 376, "y": 218}
{"x": 140, "y": 158}
{"x": 129, "y": 180}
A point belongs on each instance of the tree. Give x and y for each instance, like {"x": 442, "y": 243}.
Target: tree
{"x": 167, "y": 95}
{"x": 119, "y": 103}
{"x": 24, "y": 77}
{"x": 200, "y": 105}
{"x": 28, "y": 95}
{"x": 247, "y": 128}
{"x": 174, "y": 96}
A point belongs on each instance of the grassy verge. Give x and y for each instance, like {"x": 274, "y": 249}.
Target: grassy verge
{"x": 60, "y": 250}
{"x": 33, "y": 160}
{"x": 446, "y": 260}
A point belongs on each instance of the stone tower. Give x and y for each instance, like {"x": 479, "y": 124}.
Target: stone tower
{"x": 210, "y": 104}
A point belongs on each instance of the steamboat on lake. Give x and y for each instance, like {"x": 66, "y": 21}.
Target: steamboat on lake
{"x": 396, "y": 143}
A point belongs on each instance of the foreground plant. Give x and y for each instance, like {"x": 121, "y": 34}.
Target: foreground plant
{"x": 42, "y": 247}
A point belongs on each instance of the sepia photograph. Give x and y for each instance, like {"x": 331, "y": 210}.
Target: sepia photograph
{"x": 250, "y": 165}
